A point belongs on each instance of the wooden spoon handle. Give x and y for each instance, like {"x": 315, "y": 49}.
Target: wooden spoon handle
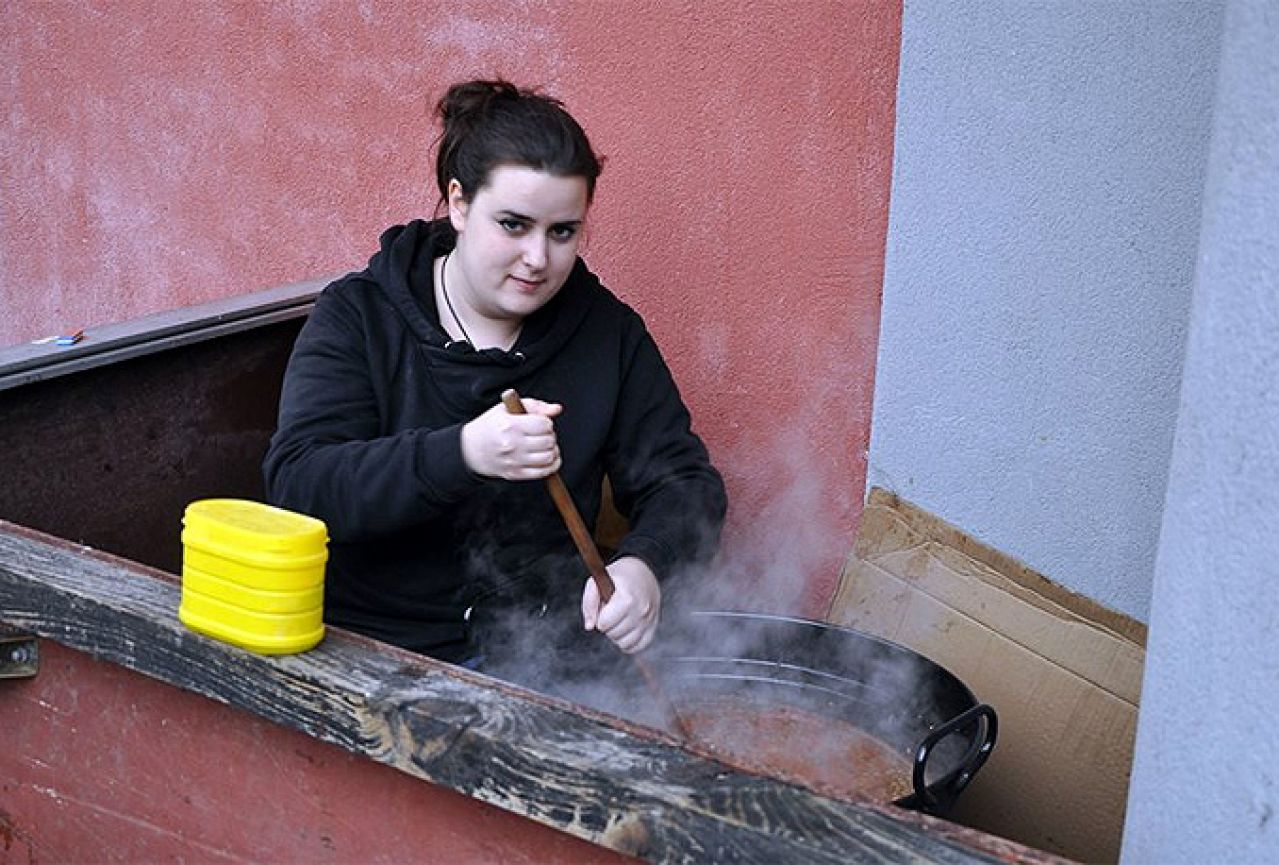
{"x": 572, "y": 518}
{"x": 591, "y": 555}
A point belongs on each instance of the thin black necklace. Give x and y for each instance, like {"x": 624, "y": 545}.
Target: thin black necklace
{"x": 445, "y": 291}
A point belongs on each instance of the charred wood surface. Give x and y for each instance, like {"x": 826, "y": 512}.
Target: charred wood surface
{"x": 625, "y": 788}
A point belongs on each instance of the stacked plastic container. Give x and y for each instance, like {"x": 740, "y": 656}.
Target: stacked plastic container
{"x": 253, "y": 575}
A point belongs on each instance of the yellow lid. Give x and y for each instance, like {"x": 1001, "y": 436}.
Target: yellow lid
{"x": 265, "y": 633}
{"x": 255, "y": 570}
{"x": 253, "y": 526}
{"x": 250, "y": 598}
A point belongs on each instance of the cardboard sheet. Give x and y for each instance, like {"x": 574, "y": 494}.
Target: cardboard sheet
{"x": 1063, "y": 673}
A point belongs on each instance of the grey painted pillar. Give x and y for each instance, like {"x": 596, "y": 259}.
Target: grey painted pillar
{"x": 1206, "y": 777}
{"x": 1047, "y": 187}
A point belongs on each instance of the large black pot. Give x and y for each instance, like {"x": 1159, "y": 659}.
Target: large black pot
{"x": 900, "y": 697}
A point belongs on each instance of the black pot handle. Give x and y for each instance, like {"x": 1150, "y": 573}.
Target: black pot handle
{"x": 940, "y": 796}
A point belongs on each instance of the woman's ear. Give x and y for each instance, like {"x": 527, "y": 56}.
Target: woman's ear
{"x": 458, "y": 206}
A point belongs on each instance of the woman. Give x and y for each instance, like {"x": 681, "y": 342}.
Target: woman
{"x": 391, "y": 429}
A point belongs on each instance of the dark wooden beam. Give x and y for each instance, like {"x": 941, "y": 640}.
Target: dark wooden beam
{"x": 623, "y": 787}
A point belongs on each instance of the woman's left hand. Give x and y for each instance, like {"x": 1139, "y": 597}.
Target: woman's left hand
{"x": 630, "y": 617}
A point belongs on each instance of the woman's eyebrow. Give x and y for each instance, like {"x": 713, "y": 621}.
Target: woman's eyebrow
{"x": 511, "y": 214}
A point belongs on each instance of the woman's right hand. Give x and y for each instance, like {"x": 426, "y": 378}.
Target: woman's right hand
{"x": 498, "y": 444}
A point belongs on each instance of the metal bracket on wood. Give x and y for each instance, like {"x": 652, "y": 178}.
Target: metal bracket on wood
{"x": 19, "y": 656}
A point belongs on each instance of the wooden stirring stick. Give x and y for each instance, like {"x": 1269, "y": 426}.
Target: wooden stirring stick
{"x": 591, "y": 555}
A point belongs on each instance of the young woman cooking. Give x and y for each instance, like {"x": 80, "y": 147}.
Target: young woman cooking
{"x": 391, "y": 429}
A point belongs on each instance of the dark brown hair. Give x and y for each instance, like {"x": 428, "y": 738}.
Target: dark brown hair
{"x": 492, "y": 123}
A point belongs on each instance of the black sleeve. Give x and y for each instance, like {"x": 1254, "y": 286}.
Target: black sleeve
{"x": 328, "y": 458}
{"x": 662, "y": 477}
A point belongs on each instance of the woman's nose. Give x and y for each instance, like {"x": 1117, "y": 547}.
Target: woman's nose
{"x": 535, "y": 251}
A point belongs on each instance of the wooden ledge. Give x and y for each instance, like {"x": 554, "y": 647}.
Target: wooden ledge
{"x": 111, "y": 343}
{"x": 622, "y": 787}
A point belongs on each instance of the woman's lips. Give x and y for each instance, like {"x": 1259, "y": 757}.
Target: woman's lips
{"x": 529, "y": 285}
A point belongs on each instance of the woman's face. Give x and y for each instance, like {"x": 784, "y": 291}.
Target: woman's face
{"x": 517, "y": 240}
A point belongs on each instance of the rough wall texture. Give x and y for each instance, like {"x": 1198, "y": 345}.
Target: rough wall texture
{"x": 1206, "y": 778}
{"x": 154, "y": 155}
{"x": 1045, "y": 212}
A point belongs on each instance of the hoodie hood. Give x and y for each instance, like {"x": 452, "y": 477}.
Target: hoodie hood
{"x": 403, "y": 271}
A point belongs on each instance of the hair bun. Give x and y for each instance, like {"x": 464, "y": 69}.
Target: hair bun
{"x": 469, "y": 99}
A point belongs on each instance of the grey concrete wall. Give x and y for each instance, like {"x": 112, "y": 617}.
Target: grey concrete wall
{"x": 1046, "y": 198}
{"x": 1205, "y": 782}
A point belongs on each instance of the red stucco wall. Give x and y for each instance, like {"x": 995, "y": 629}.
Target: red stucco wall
{"x": 154, "y": 155}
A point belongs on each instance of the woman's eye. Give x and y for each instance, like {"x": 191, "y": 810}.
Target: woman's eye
{"x": 511, "y": 225}
{"x": 564, "y": 232}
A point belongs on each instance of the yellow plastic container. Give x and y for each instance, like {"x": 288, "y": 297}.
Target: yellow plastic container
{"x": 253, "y": 575}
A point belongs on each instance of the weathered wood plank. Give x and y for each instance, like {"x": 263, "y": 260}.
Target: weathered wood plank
{"x": 619, "y": 786}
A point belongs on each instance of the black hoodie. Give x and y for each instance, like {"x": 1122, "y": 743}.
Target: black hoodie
{"x": 371, "y": 413}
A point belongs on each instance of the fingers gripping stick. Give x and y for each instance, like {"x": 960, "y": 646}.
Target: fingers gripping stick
{"x": 568, "y": 511}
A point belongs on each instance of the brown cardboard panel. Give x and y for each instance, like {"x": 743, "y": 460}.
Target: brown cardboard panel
{"x": 1056, "y": 634}
{"x": 1065, "y": 683}
{"x": 911, "y": 521}
{"x": 1059, "y": 775}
